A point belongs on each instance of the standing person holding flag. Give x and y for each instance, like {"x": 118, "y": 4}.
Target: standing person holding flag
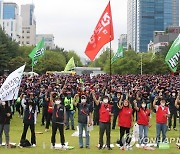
{"x": 118, "y": 54}
{"x": 173, "y": 55}
{"x": 37, "y": 53}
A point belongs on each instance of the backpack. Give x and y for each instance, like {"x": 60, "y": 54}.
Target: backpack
{"x": 25, "y": 143}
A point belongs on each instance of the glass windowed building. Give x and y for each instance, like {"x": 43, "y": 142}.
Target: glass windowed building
{"x": 147, "y": 16}
{"x": 9, "y": 10}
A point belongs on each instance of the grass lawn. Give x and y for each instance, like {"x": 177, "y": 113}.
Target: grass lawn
{"x": 44, "y": 139}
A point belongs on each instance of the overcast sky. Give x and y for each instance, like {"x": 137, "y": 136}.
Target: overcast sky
{"x": 72, "y": 22}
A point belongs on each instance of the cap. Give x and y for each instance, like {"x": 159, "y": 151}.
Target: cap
{"x": 68, "y": 92}
{"x": 83, "y": 97}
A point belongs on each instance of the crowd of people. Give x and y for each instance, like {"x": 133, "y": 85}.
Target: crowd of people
{"x": 99, "y": 100}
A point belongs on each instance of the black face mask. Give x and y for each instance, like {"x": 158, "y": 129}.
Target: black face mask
{"x": 68, "y": 96}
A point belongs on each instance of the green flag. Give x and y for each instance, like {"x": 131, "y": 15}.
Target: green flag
{"x": 173, "y": 55}
{"x": 70, "y": 65}
{"x": 37, "y": 52}
{"x": 153, "y": 55}
{"x": 118, "y": 54}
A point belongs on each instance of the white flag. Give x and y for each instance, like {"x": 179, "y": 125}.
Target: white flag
{"x": 10, "y": 87}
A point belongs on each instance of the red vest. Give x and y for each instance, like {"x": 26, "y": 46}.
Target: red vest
{"x": 104, "y": 113}
{"x": 125, "y": 117}
{"x": 50, "y": 108}
{"x": 160, "y": 115}
{"x": 143, "y": 117}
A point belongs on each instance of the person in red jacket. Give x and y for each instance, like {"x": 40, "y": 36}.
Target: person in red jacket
{"x": 143, "y": 122}
{"x": 105, "y": 113}
{"x": 125, "y": 118}
{"x": 162, "y": 114}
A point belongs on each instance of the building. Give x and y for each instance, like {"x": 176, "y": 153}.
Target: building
{"x": 11, "y": 21}
{"x": 161, "y": 39}
{"x": 48, "y": 40}
{"x": 145, "y": 17}
{"x": 1, "y": 13}
{"x": 122, "y": 41}
{"x": 28, "y": 25}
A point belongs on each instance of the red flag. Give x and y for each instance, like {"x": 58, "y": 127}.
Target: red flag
{"x": 103, "y": 34}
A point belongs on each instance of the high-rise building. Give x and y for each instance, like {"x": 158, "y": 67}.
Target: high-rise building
{"x": 28, "y": 25}
{"x": 11, "y": 20}
{"x": 147, "y": 16}
{"x": 122, "y": 41}
{"x": 48, "y": 40}
{"x": 1, "y": 12}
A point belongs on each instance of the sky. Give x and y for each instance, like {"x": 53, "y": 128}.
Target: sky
{"x": 72, "y": 22}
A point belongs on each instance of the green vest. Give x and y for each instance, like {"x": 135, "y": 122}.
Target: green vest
{"x": 68, "y": 102}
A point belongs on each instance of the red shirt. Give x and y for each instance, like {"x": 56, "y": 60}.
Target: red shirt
{"x": 143, "y": 116}
{"x": 104, "y": 113}
{"x": 161, "y": 115}
{"x": 125, "y": 117}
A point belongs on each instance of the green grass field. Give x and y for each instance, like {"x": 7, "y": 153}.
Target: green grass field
{"x": 44, "y": 139}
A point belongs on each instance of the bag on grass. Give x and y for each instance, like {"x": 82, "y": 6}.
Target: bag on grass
{"x": 25, "y": 143}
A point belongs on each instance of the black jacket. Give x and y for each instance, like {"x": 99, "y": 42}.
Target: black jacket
{"x": 3, "y": 114}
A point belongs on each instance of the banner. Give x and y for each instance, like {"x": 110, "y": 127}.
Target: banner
{"x": 173, "y": 55}
{"x": 118, "y": 54}
{"x": 37, "y": 52}
{"x": 103, "y": 34}
{"x": 10, "y": 87}
{"x": 70, "y": 65}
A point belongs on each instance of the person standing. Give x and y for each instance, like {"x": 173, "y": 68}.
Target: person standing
{"x": 69, "y": 106}
{"x": 143, "y": 122}
{"x": 84, "y": 119}
{"x": 105, "y": 113}
{"x": 125, "y": 122}
{"x": 115, "y": 101}
{"x": 5, "y": 116}
{"x": 50, "y": 109}
{"x": 162, "y": 114}
{"x": 29, "y": 121}
{"x": 173, "y": 110}
{"x": 58, "y": 122}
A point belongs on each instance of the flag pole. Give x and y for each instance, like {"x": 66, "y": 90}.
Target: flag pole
{"x": 110, "y": 72}
{"x": 141, "y": 65}
{"x": 32, "y": 66}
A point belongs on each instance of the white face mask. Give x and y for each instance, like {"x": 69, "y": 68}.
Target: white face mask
{"x": 83, "y": 100}
{"x": 118, "y": 96}
{"x": 163, "y": 104}
{"x": 105, "y": 101}
{"x": 57, "y": 102}
{"x": 143, "y": 105}
{"x": 173, "y": 94}
{"x": 3, "y": 103}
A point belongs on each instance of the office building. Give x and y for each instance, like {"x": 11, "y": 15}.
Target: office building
{"x": 122, "y": 41}
{"x": 48, "y": 40}
{"x": 145, "y": 17}
{"x": 11, "y": 21}
{"x": 28, "y": 25}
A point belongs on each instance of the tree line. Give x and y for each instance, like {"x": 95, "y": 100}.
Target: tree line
{"x": 12, "y": 56}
